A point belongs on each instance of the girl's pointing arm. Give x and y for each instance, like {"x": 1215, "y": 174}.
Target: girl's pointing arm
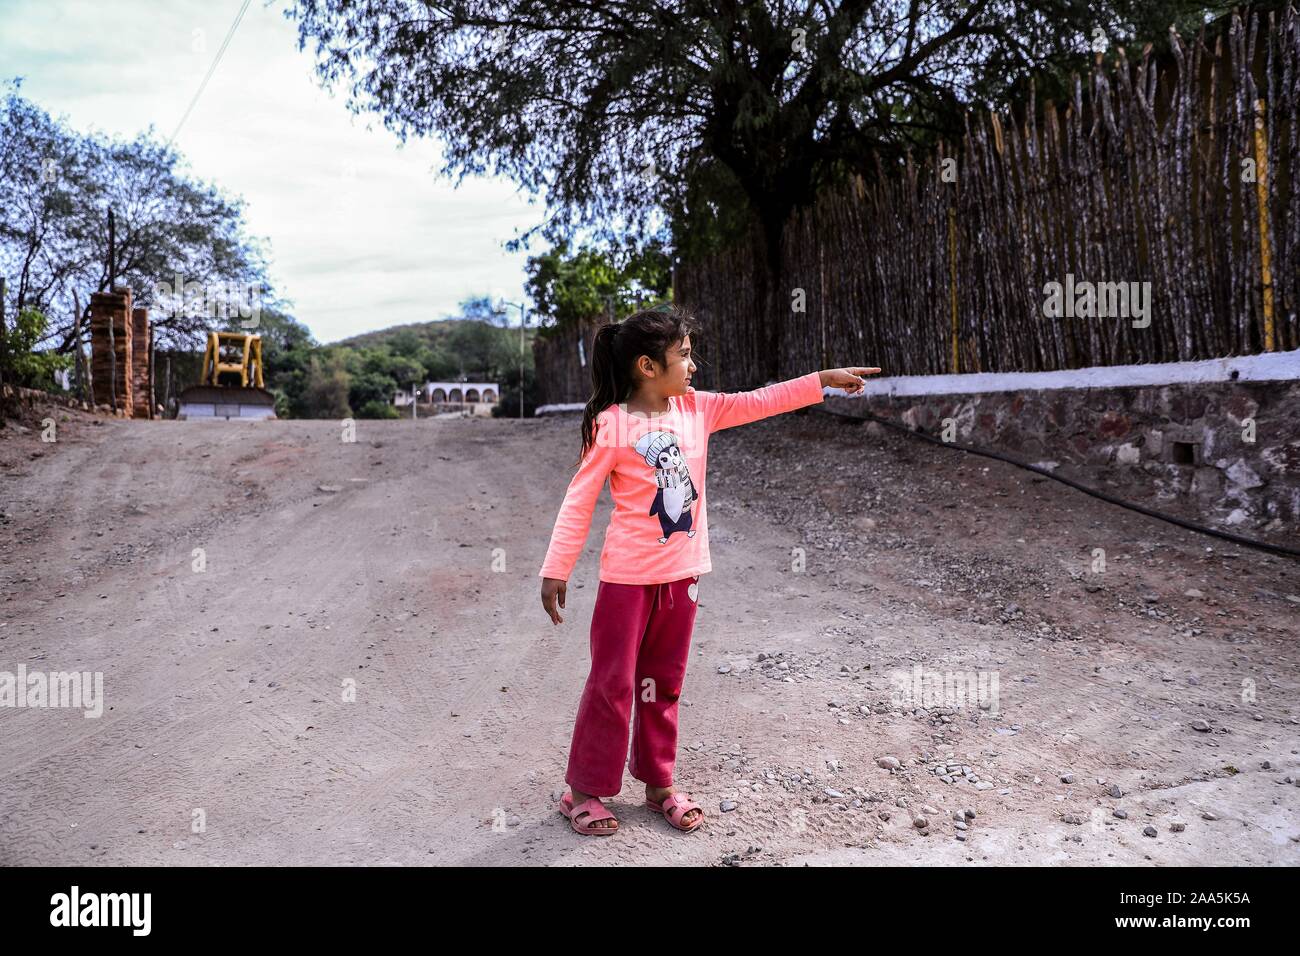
{"x": 726, "y": 410}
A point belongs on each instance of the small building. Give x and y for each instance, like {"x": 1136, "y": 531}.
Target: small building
{"x": 474, "y": 398}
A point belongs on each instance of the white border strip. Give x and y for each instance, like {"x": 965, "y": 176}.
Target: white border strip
{"x": 1265, "y": 367}
{"x": 556, "y": 409}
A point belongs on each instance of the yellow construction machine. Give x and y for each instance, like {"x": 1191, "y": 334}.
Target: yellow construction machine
{"x": 229, "y": 353}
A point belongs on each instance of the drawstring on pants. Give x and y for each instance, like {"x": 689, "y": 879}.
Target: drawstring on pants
{"x": 659, "y": 596}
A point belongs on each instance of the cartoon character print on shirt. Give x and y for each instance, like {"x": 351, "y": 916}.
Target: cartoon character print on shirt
{"x": 672, "y": 504}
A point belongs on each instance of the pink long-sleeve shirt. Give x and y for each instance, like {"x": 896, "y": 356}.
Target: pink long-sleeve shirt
{"x": 658, "y": 530}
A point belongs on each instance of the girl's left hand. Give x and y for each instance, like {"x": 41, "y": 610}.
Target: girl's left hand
{"x": 846, "y": 378}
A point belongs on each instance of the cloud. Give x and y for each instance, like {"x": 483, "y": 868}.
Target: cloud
{"x": 362, "y": 232}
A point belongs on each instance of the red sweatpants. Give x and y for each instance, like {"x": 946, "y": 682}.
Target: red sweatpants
{"x": 640, "y": 639}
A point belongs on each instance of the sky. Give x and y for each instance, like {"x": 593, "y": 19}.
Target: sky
{"x": 361, "y": 232}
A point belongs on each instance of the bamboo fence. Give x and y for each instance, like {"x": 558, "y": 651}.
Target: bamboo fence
{"x": 1182, "y": 175}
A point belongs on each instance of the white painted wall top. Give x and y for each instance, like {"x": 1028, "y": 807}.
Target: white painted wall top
{"x": 1266, "y": 367}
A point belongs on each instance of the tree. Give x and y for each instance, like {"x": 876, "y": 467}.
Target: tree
{"x": 739, "y": 112}
{"x": 326, "y": 392}
{"x": 482, "y": 309}
{"x": 375, "y": 374}
{"x": 57, "y": 187}
{"x": 46, "y": 175}
{"x": 287, "y": 350}
{"x": 479, "y": 348}
{"x": 570, "y": 287}
{"x": 405, "y": 372}
{"x": 24, "y": 365}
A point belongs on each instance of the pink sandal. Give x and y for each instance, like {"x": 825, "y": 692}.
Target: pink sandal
{"x": 592, "y": 810}
{"x": 675, "y": 807}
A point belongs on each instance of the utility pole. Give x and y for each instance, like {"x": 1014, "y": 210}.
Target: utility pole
{"x": 112, "y": 338}
{"x": 2, "y": 337}
{"x": 79, "y": 364}
{"x": 112, "y": 253}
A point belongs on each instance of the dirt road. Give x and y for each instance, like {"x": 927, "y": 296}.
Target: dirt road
{"x": 329, "y": 652}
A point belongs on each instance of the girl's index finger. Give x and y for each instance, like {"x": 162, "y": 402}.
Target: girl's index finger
{"x": 864, "y": 371}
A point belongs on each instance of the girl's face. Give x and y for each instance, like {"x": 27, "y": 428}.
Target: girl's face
{"x": 676, "y": 376}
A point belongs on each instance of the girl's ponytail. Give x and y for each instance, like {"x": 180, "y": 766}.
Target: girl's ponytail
{"x": 605, "y": 384}
{"x": 617, "y": 347}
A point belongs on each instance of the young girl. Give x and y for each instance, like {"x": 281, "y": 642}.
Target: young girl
{"x": 647, "y": 430}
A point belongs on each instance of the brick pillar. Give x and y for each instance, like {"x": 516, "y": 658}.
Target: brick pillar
{"x": 141, "y": 340}
{"x": 111, "y": 307}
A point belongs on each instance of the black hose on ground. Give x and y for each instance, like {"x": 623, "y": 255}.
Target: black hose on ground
{"x": 1181, "y": 522}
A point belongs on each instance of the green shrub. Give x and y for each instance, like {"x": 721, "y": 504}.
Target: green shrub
{"x": 22, "y": 364}
{"x": 376, "y": 408}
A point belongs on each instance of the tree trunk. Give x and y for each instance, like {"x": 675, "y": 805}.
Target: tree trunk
{"x": 79, "y": 361}
{"x": 773, "y": 301}
{"x": 3, "y": 359}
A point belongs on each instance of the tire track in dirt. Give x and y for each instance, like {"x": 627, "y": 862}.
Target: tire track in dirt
{"x": 403, "y": 561}
{"x": 220, "y": 690}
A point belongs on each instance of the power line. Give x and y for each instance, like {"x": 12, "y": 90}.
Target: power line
{"x": 212, "y": 69}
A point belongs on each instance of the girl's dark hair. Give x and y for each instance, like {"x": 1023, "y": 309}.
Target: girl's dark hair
{"x": 617, "y": 347}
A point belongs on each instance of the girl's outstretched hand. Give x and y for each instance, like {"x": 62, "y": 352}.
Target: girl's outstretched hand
{"x": 846, "y": 378}
{"x": 553, "y": 589}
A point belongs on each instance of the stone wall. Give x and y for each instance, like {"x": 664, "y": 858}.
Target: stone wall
{"x": 1188, "y": 446}
{"x": 120, "y": 371}
{"x": 110, "y": 359}
{"x": 141, "y": 349}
